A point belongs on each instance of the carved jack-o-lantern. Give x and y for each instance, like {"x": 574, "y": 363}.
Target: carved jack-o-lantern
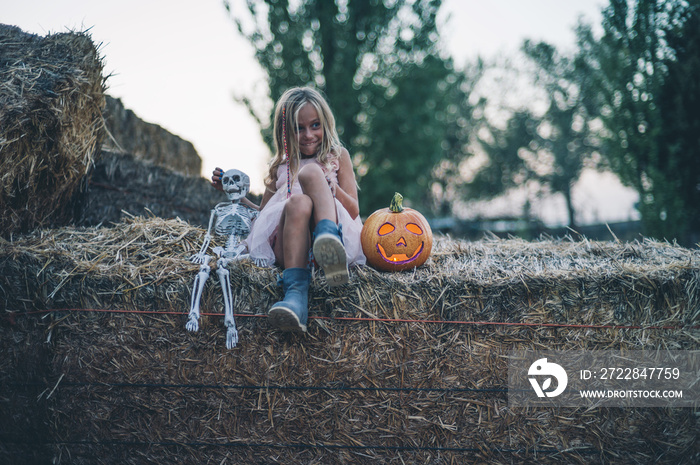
{"x": 396, "y": 238}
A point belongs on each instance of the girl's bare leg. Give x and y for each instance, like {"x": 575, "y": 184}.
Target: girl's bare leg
{"x": 328, "y": 248}
{"x": 314, "y": 184}
{"x": 301, "y": 212}
{"x": 293, "y": 235}
{"x": 313, "y": 210}
{"x": 291, "y": 250}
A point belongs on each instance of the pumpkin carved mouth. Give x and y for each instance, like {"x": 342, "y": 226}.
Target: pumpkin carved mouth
{"x": 399, "y": 258}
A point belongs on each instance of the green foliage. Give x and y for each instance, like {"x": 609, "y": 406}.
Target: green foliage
{"x": 550, "y": 150}
{"x": 632, "y": 89}
{"x": 679, "y": 141}
{"x": 405, "y": 135}
{"x": 381, "y": 69}
{"x": 505, "y": 168}
{"x": 568, "y": 138}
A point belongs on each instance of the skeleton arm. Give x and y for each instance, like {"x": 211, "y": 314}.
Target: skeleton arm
{"x": 199, "y": 258}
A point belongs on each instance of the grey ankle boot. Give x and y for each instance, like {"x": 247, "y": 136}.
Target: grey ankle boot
{"x": 292, "y": 312}
{"x": 329, "y": 252}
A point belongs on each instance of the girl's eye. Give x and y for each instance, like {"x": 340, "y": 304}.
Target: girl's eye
{"x": 315, "y": 125}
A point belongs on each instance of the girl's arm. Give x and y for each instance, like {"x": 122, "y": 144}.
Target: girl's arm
{"x": 269, "y": 192}
{"x": 346, "y": 189}
{"x": 249, "y": 203}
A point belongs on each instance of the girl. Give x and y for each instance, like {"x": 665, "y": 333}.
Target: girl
{"x": 310, "y": 203}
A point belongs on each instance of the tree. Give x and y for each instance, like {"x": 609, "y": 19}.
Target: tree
{"x": 679, "y": 144}
{"x": 382, "y": 70}
{"x": 564, "y": 133}
{"x": 505, "y": 168}
{"x": 549, "y": 149}
{"x": 460, "y": 126}
{"x": 628, "y": 71}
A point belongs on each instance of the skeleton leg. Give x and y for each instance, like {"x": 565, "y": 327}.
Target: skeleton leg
{"x": 229, "y": 322}
{"x": 199, "y": 281}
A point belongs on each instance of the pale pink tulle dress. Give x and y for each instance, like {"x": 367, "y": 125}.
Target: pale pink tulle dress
{"x": 264, "y": 227}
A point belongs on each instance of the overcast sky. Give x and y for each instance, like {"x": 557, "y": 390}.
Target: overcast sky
{"x": 177, "y": 63}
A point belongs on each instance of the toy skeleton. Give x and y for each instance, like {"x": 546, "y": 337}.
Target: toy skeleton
{"x": 231, "y": 219}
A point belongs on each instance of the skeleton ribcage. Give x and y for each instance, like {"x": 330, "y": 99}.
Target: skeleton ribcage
{"x": 233, "y": 222}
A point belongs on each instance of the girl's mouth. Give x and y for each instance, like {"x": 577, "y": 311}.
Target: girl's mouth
{"x": 308, "y": 148}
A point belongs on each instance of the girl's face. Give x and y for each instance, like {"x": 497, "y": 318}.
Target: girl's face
{"x": 309, "y": 131}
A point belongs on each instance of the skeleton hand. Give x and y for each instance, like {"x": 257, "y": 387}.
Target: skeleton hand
{"x": 199, "y": 258}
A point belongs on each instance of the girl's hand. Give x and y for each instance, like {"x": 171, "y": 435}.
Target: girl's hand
{"x": 346, "y": 189}
{"x": 334, "y": 187}
{"x": 216, "y": 176}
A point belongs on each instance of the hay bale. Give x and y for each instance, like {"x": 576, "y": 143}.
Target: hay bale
{"x": 23, "y": 417}
{"x": 148, "y": 142}
{"x": 51, "y": 101}
{"x": 136, "y": 387}
{"x": 123, "y": 185}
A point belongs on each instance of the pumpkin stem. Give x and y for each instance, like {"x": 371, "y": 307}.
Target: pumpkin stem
{"x": 396, "y": 204}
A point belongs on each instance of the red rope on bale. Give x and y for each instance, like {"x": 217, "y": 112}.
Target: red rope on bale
{"x": 383, "y": 320}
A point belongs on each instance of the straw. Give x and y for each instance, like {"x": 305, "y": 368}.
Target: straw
{"x": 51, "y": 101}
{"x": 127, "y": 133}
{"x": 122, "y": 186}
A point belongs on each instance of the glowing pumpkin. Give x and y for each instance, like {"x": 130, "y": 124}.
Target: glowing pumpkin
{"x": 396, "y": 238}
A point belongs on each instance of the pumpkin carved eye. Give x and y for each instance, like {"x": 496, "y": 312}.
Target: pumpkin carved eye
{"x": 414, "y": 228}
{"x": 385, "y": 229}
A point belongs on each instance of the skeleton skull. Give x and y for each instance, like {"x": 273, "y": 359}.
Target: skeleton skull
{"x": 236, "y": 184}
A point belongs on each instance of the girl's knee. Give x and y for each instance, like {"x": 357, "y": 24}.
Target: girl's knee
{"x": 310, "y": 172}
{"x": 299, "y": 205}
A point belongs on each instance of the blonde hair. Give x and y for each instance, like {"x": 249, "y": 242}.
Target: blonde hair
{"x": 289, "y": 105}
